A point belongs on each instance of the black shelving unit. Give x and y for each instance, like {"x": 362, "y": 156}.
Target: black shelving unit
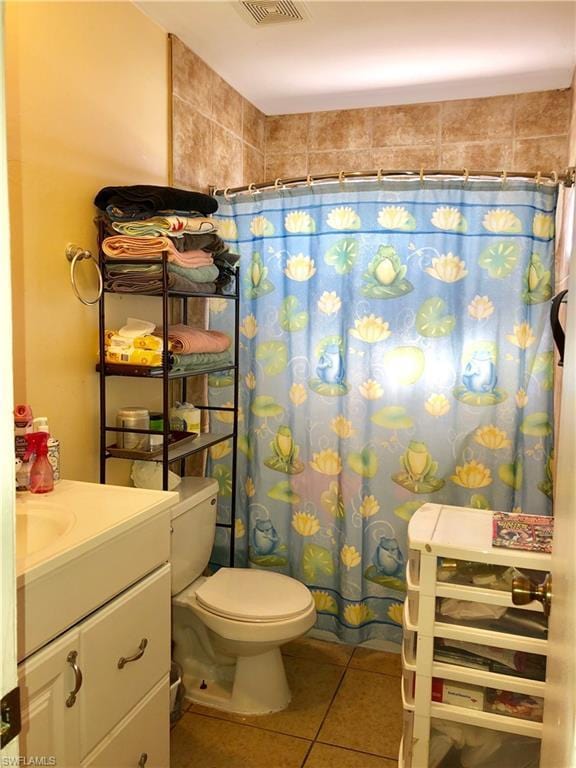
{"x": 183, "y": 447}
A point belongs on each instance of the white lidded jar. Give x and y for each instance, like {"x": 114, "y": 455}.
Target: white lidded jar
{"x": 40, "y": 424}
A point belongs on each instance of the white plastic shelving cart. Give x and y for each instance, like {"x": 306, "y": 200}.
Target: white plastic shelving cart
{"x": 439, "y": 538}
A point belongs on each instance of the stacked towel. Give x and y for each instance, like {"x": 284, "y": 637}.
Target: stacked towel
{"x": 185, "y": 340}
{"x": 157, "y": 226}
{"x": 144, "y": 223}
{"x": 201, "y": 361}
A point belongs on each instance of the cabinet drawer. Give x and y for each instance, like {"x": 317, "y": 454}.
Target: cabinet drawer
{"x": 144, "y": 732}
{"x": 117, "y": 632}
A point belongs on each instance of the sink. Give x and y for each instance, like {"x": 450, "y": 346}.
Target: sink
{"x": 39, "y": 523}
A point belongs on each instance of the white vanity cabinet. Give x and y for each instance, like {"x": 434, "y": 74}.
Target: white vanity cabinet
{"x": 451, "y": 700}
{"x": 107, "y": 705}
{"x": 94, "y": 632}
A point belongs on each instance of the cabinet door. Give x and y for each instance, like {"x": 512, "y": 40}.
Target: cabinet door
{"x": 50, "y": 728}
{"x": 134, "y": 627}
{"x": 141, "y": 739}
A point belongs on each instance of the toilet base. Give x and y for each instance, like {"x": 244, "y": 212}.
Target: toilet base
{"x": 259, "y": 687}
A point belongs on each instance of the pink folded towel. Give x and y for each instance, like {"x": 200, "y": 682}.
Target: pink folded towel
{"x": 186, "y": 340}
{"x": 125, "y": 247}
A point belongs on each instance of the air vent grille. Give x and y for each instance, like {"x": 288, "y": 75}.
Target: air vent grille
{"x": 260, "y": 12}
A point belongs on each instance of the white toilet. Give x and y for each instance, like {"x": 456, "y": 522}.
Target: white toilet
{"x": 227, "y": 629}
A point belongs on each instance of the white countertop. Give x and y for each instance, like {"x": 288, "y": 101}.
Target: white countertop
{"x": 93, "y": 513}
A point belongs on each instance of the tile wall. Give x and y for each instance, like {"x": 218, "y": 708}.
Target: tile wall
{"x": 220, "y": 138}
{"x": 525, "y": 132}
{"x": 218, "y": 135}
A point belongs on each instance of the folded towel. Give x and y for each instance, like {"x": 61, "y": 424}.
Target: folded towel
{"x": 186, "y": 339}
{"x": 200, "y": 360}
{"x": 206, "y": 274}
{"x": 124, "y": 247}
{"x": 136, "y": 278}
{"x": 145, "y": 198}
{"x": 200, "y": 241}
{"x": 164, "y": 225}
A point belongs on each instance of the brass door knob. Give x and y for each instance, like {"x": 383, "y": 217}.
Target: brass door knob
{"x": 524, "y": 591}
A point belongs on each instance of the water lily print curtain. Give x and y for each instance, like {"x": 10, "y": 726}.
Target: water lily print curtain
{"x": 395, "y": 349}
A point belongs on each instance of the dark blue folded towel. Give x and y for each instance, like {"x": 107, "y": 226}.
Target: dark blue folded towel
{"x": 143, "y": 199}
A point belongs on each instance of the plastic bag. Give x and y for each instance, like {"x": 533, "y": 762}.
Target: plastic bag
{"x": 148, "y": 474}
{"x": 463, "y": 610}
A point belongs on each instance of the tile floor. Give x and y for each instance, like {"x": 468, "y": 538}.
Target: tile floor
{"x": 346, "y": 712}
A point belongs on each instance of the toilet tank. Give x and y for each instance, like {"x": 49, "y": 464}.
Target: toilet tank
{"x": 193, "y": 530}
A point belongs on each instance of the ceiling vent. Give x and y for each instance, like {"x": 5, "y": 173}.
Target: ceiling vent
{"x": 266, "y": 12}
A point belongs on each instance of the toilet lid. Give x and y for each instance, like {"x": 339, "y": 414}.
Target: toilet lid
{"x": 250, "y": 595}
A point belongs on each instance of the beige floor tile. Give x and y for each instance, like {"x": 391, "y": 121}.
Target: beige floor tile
{"x": 205, "y": 742}
{"x": 323, "y": 756}
{"x": 313, "y": 686}
{"x": 366, "y": 714}
{"x": 319, "y": 650}
{"x": 377, "y": 661}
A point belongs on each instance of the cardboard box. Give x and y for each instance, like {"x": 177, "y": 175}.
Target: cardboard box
{"x": 517, "y": 531}
{"x": 457, "y": 694}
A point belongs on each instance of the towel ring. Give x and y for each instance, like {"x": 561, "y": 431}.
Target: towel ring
{"x": 74, "y": 254}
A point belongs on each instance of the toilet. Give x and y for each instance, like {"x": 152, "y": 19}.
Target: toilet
{"x": 227, "y": 629}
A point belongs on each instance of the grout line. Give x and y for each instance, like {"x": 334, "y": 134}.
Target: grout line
{"x": 329, "y": 707}
{"x": 248, "y": 725}
{"x": 359, "y": 751}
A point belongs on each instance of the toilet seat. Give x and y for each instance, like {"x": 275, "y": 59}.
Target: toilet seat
{"x": 250, "y": 595}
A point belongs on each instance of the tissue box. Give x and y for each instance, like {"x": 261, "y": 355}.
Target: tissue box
{"x": 517, "y": 531}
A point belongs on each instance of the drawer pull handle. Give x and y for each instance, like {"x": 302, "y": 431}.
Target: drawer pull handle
{"x": 143, "y": 760}
{"x": 71, "y": 659}
{"x": 123, "y": 660}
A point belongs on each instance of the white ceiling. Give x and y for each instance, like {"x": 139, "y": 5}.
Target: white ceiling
{"x": 360, "y": 54}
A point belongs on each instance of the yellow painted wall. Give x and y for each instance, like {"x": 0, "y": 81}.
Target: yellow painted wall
{"x": 87, "y": 106}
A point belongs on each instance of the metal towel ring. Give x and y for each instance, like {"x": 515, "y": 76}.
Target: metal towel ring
{"x": 74, "y": 254}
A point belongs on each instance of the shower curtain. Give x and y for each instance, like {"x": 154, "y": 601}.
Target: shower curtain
{"x": 395, "y": 349}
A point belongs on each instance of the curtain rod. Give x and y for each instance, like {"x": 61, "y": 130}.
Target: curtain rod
{"x": 568, "y": 178}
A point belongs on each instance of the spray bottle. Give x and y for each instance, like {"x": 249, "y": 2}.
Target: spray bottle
{"x": 41, "y": 474}
{"x": 41, "y": 425}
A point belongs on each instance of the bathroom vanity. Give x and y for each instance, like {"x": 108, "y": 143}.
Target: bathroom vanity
{"x": 94, "y": 625}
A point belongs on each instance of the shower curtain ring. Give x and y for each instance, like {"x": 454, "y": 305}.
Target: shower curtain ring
{"x": 379, "y": 175}
{"x": 341, "y": 177}
{"x": 226, "y": 195}
{"x": 466, "y": 174}
{"x": 504, "y": 177}
{"x": 278, "y": 184}
{"x": 252, "y": 188}
{"x": 538, "y": 178}
{"x": 421, "y": 174}
{"x": 554, "y": 177}
{"x": 309, "y": 180}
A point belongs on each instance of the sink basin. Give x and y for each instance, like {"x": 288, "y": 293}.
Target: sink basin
{"x": 38, "y": 524}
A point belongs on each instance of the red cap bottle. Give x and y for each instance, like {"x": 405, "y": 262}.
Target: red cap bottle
{"x": 41, "y": 474}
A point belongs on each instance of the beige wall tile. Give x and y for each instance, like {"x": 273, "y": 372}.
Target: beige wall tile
{"x": 345, "y": 160}
{"x": 191, "y": 77}
{"x": 340, "y": 129}
{"x": 405, "y": 158}
{"x": 478, "y": 119}
{"x": 285, "y": 165}
{"x": 544, "y": 113}
{"x": 205, "y": 741}
{"x": 323, "y": 756}
{"x": 372, "y": 703}
{"x": 226, "y": 105}
{"x": 253, "y": 165}
{"x": 286, "y": 132}
{"x": 406, "y": 125}
{"x": 226, "y": 160}
{"x": 191, "y": 146}
{"x": 544, "y": 154}
{"x": 253, "y": 125}
{"x": 490, "y": 156}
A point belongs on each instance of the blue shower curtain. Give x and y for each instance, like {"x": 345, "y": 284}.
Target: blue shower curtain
{"x": 395, "y": 349}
